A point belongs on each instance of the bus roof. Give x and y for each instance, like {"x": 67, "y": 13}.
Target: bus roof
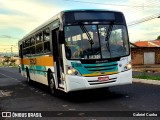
{"x": 59, "y": 16}
{"x": 93, "y": 10}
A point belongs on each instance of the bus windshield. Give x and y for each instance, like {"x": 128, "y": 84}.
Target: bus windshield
{"x": 96, "y": 41}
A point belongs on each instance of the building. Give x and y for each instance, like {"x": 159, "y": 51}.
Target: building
{"x": 153, "y": 43}
{"x": 146, "y": 52}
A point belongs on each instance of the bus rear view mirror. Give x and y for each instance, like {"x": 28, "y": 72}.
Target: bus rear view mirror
{"x": 61, "y": 38}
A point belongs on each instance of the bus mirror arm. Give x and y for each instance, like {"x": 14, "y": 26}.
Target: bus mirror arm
{"x": 61, "y": 37}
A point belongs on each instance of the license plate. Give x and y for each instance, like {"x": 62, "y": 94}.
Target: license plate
{"x": 106, "y": 78}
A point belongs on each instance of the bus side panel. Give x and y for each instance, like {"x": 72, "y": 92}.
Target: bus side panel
{"x": 43, "y": 64}
{"x": 23, "y": 67}
{"x": 38, "y": 68}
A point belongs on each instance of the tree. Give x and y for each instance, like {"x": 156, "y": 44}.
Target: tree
{"x": 12, "y": 61}
{"x": 158, "y": 38}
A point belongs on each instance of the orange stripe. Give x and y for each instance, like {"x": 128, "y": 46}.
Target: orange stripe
{"x": 26, "y": 61}
{"x": 45, "y": 61}
{"x": 39, "y": 61}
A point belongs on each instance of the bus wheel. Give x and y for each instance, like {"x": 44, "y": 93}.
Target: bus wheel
{"x": 52, "y": 86}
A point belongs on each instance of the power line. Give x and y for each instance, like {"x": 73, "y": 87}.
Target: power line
{"x": 120, "y": 5}
{"x": 153, "y": 5}
{"x": 144, "y": 20}
{"x": 150, "y": 4}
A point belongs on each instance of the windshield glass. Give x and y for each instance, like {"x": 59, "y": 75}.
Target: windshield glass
{"x": 96, "y": 41}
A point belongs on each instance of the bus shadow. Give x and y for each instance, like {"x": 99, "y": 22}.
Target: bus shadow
{"x": 37, "y": 86}
{"x": 92, "y": 95}
{"x": 83, "y": 95}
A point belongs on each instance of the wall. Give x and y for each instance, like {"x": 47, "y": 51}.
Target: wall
{"x": 137, "y": 54}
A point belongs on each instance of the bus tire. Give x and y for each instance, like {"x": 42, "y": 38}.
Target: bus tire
{"x": 28, "y": 77}
{"x": 51, "y": 84}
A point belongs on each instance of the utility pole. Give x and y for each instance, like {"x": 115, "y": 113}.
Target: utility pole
{"x": 11, "y": 52}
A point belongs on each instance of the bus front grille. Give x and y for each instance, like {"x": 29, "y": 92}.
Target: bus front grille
{"x": 96, "y": 82}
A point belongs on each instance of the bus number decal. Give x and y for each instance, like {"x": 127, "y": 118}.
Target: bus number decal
{"x": 33, "y": 61}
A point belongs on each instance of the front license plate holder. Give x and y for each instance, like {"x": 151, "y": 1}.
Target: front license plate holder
{"x": 104, "y": 78}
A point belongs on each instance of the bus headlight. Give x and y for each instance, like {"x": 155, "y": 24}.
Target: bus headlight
{"x": 72, "y": 71}
{"x": 128, "y": 66}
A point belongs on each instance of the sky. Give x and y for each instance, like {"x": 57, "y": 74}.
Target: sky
{"x": 19, "y": 17}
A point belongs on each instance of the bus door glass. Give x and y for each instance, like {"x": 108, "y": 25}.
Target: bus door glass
{"x": 57, "y": 53}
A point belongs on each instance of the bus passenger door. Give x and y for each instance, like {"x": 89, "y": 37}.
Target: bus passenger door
{"x": 58, "y": 59}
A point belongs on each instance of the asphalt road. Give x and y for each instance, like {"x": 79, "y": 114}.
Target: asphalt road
{"x": 17, "y": 95}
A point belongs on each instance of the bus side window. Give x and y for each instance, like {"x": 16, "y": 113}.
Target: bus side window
{"x": 39, "y": 43}
{"x": 33, "y": 40}
{"x": 46, "y": 34}
{"x": 39, "y": 48}
{"x": 39, "y": 37}
{"x": 47, "y": 47}
{"x": 32, "y": 48}
{"x": 23, "y": 45}
{"x": 27, "y": 43}
{"x": 26, "y": 49}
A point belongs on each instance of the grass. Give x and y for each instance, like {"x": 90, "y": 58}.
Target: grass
{"x": 1, "y": 64}
{"x": 149, "y": 77}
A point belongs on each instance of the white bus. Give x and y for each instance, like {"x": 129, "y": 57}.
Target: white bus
{"x": 78, "y": 50}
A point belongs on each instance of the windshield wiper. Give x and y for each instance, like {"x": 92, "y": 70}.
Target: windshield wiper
{"x": 108, "y": 34}
{"x": 87, "y": 33}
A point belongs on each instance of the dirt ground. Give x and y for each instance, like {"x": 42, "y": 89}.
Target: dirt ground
{"x": 147, "y": 68}
{"x": 151, "y": 70}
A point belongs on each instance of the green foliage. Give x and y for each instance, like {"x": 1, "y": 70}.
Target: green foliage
{"x": 1, "y": 64}
{"x": 149, "y": 77}
{"x": 158, "y": 38}
{"x": 8, "y": 61}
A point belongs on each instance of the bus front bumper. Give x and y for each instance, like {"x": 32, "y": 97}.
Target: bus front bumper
{"x": 75, "y": 83}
